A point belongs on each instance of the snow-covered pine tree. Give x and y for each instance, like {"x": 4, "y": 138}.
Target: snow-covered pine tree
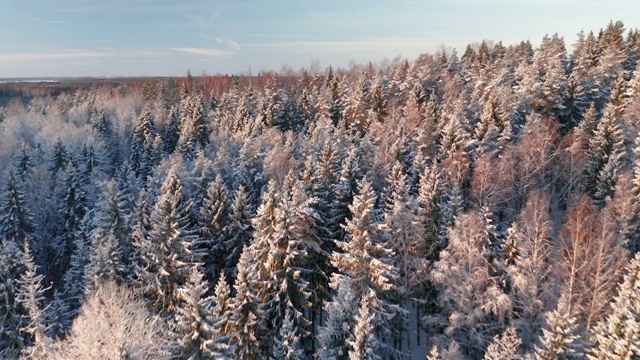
{"x": 221, "y": 317}
{"x": 167, "y": 255}
{"x": 11, "y": 268}
{"x": 73, "y": 209}
{"x": 240, "y": 230}
{"x": 112, "y": 218}
{"x": 617, "y": 336}
{"x": 141, "y": 144}
{"x": 364, "y": 345}
{"x": 366, "y": 262}
{"x": 31, "y": 295}
{"x": 16, "y": 220}
{"x": 215, "y": 216}
{"x": 606, "y": 157}
{"x": 338, "y": 328}
{"x": 194, "y": 326}
{"x": 505, "y": 346}
{"x": 105, "y": 261}
{"x": 560, "y": 339}
{"x": 245, "y": 315}
{"x": 286, "y": 345}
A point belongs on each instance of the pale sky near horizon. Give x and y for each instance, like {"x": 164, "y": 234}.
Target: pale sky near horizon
{"x": 55, "y": 38}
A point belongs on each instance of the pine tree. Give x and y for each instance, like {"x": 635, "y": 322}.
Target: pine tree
{"x": 286, "y": 345}
{"x": 221, "y": 317}
{"x": 16, "y": 221}
{"x": 364, "y": 344}
{"x": 30, "y": 295}
{"x": 505, "y": 346}
{"x": 141, "y": 145}
{"x": 215, "y": 215}
{"x": 105, "y": 262}
{"x": 616, "y": 336}
{"x": 11, "y": 268}
{"x": 73, "y": 209}
{"x": 244, "y": 318}
{"x": 606, "y": 157}
{"x": 168, "y": 245}
{"x": 340, "y": 321}
{"x": 560, "y": 340}
{"x": 194, "y": 320}
{"x": 113, "y": 219}
{"x": 240, "y": 230}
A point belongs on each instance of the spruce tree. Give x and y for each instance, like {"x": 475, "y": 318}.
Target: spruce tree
{"x": 194, "y": 319}
{"x": 16, "y": 221}
{"x": 168, "y": 246}
{"x": 31, "y": 295}
{"x": 616, "y": 336}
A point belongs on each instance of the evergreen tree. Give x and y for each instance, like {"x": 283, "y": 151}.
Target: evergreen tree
{"x": 340, "y": 321}
{"x": 286, "y": 345}
{"x": 141, "y": 145}
{"x": 221, "y": 317}
{"x": 505, "y": 346}
{"x": 616, "y": 336}
{"x": 72, "y": 209}
{"x": 105, "y": 262}
{"x": 244, "y": 318}
{"x": 194, "y": 319}
{"x": 606, "y": 157}
{"x": 168, "y": 245}
{"x": 215, "y": 215}
{"x": 16, "y": 221}
{"x": 11, "y": 268}
{"x": 240, "y": 231}
{"x": 30, "y": 294}
{"x": 560, "y": 340}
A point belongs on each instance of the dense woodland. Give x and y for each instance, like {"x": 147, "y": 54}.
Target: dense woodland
{"x": 457, "y": 206}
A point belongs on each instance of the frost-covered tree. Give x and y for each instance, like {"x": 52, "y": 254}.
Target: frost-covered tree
{"x": 31, "y": 295}
{"x": 560, "y": 339}
{"x": 221, "y": 317}
{"x": 616, "y": 335}
{"x": 505, "y": 346}
{"x": 338, "y": 328}
{"x": 11, "y": 312}
{"x": 245, "y": 315}
{"x": 16, "y": 220}
{"x": 114, "y": 324}
{"x": 240, "y": 230}
{"x": 105, "y": 260}
{"x": 286, "y": 345}
{"x": 167, "y": 255}
{"x": 474, "y": 306}
{"x": 527, "y": 251}
{"x": 364, "y": 344}
{"x": 73, "y": 208}
{"x": 215, "y": 214}
{"x": 194, "y": 319}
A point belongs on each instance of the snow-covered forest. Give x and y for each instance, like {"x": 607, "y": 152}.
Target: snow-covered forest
{"x": 483, "y": 205}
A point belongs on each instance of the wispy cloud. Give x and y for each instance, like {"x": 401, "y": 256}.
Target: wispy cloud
{"x": 349, "y": 46}
{"x": 79, "y": 55}
{"x": 204, "y": 51}
{"x": 230, "y": 44}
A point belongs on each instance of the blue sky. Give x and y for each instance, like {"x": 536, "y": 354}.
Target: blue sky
{"x": 159, "y": 37}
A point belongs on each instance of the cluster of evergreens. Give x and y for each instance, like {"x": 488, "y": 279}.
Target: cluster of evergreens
{"x": 476, "y": 206}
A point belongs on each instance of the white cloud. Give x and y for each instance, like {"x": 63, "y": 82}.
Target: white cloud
{"x": 204, "y": 51}
{"x": 230, "y": 44}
